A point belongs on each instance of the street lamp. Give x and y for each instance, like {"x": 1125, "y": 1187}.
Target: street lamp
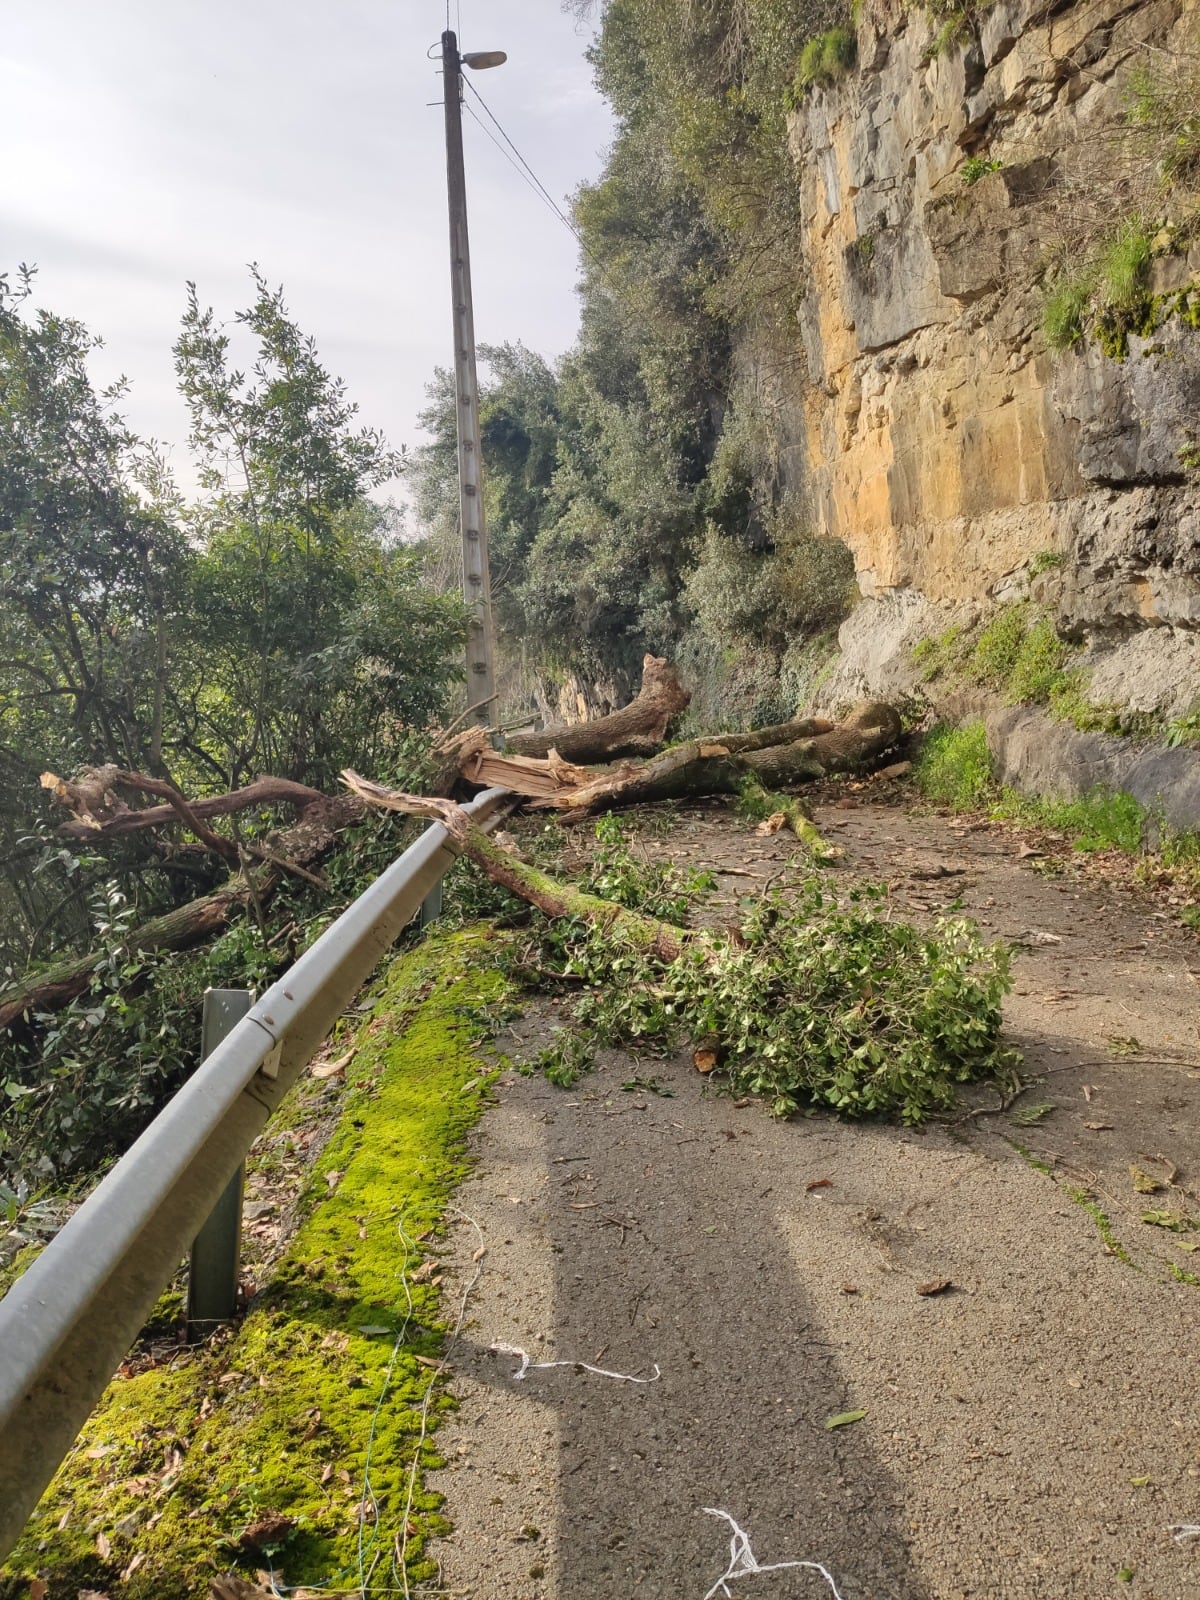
{"x": 477, "y": 585}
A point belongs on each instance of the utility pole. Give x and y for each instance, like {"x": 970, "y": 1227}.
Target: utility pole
{"x": 477, "y": 586}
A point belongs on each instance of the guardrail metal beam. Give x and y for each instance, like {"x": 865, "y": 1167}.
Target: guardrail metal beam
{"x": 67, "y": 1324}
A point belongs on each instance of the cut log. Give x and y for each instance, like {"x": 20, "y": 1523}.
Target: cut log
{"x": 635, "y": 730}
{"x": 708, "y": 766}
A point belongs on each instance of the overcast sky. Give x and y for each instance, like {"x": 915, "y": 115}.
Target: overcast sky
{"x": 146, "y": 142}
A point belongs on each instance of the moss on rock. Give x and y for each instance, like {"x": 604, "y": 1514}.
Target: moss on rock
{"x": 252, "y": 1451}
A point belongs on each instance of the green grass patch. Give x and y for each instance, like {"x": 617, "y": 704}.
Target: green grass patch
{"x": 1064, "y": 308}
{"x": 177, "y": 1463}
{"x": 954, "y": 767}
{"x": 824, "y": 59}
{"x": 1124, "y": 266}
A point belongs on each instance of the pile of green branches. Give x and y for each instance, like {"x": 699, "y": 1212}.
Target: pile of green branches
{"x": 821, "y": 998}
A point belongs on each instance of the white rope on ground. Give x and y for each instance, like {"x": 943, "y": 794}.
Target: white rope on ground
{"x": 743, "y": 1563}
{"x": 1184, "y": 1532}
{"x": 528, "y": 1366}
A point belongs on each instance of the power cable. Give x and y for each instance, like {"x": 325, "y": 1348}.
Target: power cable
{"x": 530, "y": 178}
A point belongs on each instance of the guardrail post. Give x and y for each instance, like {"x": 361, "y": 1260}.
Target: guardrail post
{"x": 216, "y": 1255}
{"x": 431, "y": 906}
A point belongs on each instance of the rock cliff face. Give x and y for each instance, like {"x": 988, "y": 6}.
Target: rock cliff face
{"x": 946, "y": 444}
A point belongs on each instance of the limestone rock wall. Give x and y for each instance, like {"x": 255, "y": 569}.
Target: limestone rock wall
{"x": 946, "y": 444}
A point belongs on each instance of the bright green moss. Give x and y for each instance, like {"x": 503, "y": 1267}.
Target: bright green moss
{"x": 176, "y": 1463}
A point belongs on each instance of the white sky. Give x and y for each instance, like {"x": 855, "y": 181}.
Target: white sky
{"x": 145, "y": 142}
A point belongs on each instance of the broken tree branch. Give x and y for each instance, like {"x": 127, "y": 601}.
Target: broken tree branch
{"x": 636, "y": 729}
{"x": 552, "y": 898}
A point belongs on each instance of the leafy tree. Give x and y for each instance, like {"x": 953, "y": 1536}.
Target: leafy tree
{"x": 311, "y": 618}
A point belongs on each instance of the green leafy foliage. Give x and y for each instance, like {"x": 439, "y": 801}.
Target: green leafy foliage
{"x": 79, "y": 1084}
{"x": 976, "y": 167}
{"x": 954, "y": 767}
{"x": 823, "y": 1000}
{"x": 279, "y": 623}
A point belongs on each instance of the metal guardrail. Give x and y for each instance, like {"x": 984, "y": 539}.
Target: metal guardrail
{"x": 67, "y": 1324}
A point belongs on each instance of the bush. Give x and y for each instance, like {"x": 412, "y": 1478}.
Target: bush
{"x": 743, "y": 597}
{"x": 976, "y": 167}
{"x": 954, "y": 767}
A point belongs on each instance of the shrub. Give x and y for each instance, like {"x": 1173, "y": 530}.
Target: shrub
{"x": 1037, "y": 671}
{"x": 976, "y": 167}
{"x": 954, "y": 767}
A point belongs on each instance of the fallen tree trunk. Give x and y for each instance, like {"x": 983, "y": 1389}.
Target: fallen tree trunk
{"x": 635, "y": 730}
{"x": 303, "y": 846}
{"x": 711, "y": 766}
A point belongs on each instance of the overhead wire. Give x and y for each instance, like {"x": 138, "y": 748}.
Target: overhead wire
{"x": 530, "y": 178}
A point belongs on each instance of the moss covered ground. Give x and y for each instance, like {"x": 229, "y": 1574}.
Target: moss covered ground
{"x": 295, "y": 1444}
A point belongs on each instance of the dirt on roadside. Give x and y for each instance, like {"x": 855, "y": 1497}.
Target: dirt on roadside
{"x": 1029, "y": 1431}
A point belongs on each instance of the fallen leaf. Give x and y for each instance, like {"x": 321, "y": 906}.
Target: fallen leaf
{"x": 480, "y": 1253}
{"x": 1168, "y": 1219}
{"x": 1143, "y": 1182}
{"x": 1036, "y": 936}
{"x": 1124, "y": 1045}
{"x": 330, "y": 1069}
{"x": 133, "y": 1566}
{"x": 818, "y": 1183}
{"x": 37, "y": 1589}
{"x": 327, "y": 1472}
{"x": 103, "y": 1546}
{"x": 1025, "y": 851}
{"x": 935, "y": 1286}
{"x": 849, "y": 1288}
{"x": 262, "y": 1535}
{"x": 843, "y": 1419}
{"x": 334, "y": 1178}
{"x": 1099, "y": 1127}
{"x": 1140, "y": 1483}
{"x": 370, "y": 1330}
{"x": 704, "y": 1060}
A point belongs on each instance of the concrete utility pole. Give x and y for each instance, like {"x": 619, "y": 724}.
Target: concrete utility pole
{"x": 477, "y": 586}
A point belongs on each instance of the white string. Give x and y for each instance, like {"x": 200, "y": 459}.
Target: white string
{"x": 743, "y": 1563}
{"x": 1184, "y": 1532}
{"x": 537, "y": 1366}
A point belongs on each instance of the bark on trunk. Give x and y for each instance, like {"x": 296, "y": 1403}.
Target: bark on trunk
{"x": 635, "y": 730}
{"x": 713, "y": 765}
{"x": 264, "y": 791}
